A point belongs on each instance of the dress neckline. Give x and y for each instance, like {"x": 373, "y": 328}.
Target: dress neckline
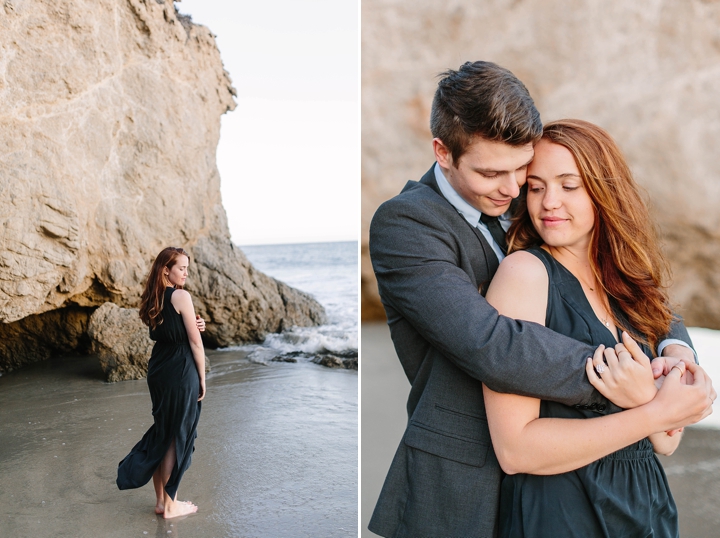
{"x": 576, "y": 281}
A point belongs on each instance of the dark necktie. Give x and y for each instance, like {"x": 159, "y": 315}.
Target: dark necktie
{"x": 498, "y": 234}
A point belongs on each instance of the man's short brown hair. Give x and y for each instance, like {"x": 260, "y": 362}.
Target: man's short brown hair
{"x": 482, "y": 99}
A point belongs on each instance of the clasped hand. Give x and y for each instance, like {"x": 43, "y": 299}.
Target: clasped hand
{"x": 682, "y": 392}
{"x": 623, "y": 375}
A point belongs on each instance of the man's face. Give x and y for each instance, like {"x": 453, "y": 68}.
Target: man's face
{"x": 488, "y": 175}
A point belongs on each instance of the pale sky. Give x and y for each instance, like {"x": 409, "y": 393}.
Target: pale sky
{"x": 289, "y": 155}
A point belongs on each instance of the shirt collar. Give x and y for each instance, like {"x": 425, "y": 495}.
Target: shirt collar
{"x": 471, "y": 214}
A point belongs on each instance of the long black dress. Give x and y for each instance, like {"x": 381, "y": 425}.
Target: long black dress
{"x": 624, "y": 494}
{"x": 174, "y": 389}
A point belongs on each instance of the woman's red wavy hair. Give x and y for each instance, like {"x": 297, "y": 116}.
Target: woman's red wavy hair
{"x": 625, "y": 253}
{"x": 152, "y": 298}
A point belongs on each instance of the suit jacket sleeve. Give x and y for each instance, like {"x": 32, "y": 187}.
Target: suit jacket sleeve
{"x": 679, "y": 332}
{"x": 415, "y": 259}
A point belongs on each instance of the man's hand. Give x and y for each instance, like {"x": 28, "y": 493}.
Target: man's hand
{"x": 200, "y": 323}
{"x": 623, "y": 375}
{"x": 678, "y": 404}
{"x": 671, "y": 355}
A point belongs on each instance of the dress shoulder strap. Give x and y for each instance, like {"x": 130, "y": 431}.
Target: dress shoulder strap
{"x": 167, "y": 297}
{"x": 553, "y": 271}
{"x": 557, "y": 272}
{"x": 545, "y": 257}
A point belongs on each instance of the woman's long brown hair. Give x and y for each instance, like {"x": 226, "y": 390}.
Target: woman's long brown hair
{"x": 152, "y": 298}
{"x": 624, "y": 254}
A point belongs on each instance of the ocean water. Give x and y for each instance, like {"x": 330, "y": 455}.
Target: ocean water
{"x": 327, "y": 271}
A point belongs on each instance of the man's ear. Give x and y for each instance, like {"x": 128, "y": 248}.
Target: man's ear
{"x": 442, "y": 154}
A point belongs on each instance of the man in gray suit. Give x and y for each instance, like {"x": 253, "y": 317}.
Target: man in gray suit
{"x": 433, "y": 247}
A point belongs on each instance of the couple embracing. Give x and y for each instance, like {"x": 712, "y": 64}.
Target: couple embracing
{"x": 525, "y": 293}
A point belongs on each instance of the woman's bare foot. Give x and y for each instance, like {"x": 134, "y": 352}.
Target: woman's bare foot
{"x": 180, "y": 508}
{"x": 159, "y": 508}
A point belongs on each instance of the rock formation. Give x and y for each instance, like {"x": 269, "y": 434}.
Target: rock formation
{"x": 347, "y": 360}
{"x": 646, "y": 72}
{"x": 109, "y": 120}
{"x": 121, "y": 341}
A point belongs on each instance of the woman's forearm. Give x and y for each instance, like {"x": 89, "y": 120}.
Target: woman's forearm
{"x": 547, "y": 446}
{"x": 199, "y": 357}
{"x": 525, "y": 443}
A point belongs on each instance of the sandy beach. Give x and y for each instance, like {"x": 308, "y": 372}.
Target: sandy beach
{"x": 693, "y": 470}
{"x": 276, "y": 453}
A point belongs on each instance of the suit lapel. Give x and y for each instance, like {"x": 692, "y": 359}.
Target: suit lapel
{"x": 489, "y": 258}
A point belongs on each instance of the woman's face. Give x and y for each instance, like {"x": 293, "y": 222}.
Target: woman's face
{"x": 559, "y": 206}
{"x": 177, "y": 274}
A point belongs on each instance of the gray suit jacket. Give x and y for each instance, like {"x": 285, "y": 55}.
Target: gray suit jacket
{"x": 429, "y": 262}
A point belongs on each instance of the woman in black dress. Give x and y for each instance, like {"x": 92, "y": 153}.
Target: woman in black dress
{"x": 592, "y": 270}
{"x": 176, "y": 378}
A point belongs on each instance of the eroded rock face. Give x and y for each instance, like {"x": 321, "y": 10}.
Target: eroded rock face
{"x": 110, "y": 117}
{"x": 121, "y": 341}
{"x": 27, "y": 340}
{"x": 646, "y": 72}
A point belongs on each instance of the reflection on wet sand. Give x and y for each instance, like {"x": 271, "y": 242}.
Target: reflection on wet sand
{"x": 276, "y": 453}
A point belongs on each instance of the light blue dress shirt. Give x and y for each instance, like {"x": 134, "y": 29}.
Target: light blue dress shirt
{"x": 472, "y": 215}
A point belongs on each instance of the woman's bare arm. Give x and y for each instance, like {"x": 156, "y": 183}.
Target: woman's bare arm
{"x": 182, "y": 302}
{"x": 526, "y": 443}
{"x": 666, "y": 443}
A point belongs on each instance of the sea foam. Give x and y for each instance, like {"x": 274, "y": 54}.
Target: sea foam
{"x": 327, "y": 271}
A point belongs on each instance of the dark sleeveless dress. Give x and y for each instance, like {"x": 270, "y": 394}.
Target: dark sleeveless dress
{"x": 624, "y": 494}
{"x": 174, "y": 389}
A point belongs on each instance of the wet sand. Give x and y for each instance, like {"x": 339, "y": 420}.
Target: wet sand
{"x": 693, "y": 471}
{"x": 276, "y": 453}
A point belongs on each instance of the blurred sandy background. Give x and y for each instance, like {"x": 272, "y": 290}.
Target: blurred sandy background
{"x": 649, "y": 73}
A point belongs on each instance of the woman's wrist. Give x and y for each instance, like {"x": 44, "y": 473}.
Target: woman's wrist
{"x": 646, "y": 419}
{"x": 650, "y": 392}
{"x": 656, "y": 416}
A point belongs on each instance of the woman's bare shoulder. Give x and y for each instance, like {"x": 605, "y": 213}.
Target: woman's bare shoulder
{"x": 180, "y": 297}
{"x": 522, "y": 267}
{"x": 519, "y": 289}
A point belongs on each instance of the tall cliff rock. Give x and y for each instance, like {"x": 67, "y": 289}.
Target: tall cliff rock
{"x": 109, "y": 121}
{"x": 648, "y": 72}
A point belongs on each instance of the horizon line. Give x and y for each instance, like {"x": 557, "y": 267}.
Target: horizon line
{"x": 295, "y": 243}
